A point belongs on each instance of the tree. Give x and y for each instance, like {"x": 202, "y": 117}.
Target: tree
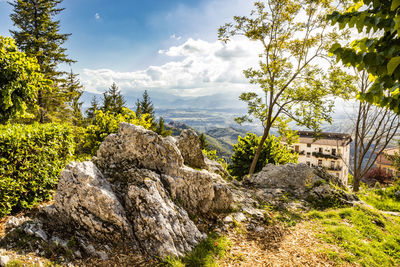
{"x": 272, "y": 152}
{"x": 73, "y": 94}
{"x": 20, "y": 80}
{"x": 160, "y": 129}
{"x": 145, "y": 106}
{"x": 38, "y": 36}
{"x": 113, "y": 101}
{"x": 203, "y": 141}
{"x": 374, "y": 128}
{"x": 295, "y": 87}
{"x": 94, "y": 106}
{"x": 379, "y": 54}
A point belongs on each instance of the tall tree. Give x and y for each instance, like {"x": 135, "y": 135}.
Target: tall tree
{"x": 113, "y": 101}
{"x": 145, "y": 106}
{"x": 94, "y": 106}
{"x": 38, "y": 36}
{"x": 73, "y": 91}
{"x": 20, "y": 80}
{"x": 294, "y": 34}
{"x": 378, "y": 54}
{"x": 374, "y": 129}
{"x": 160, "y": 128}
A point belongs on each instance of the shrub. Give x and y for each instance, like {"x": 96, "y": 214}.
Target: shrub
{"x": 378, "y": 175}
{"x": 31, "y": 159}
{"x": 272, "y": 152}
{"x": 106, "y": 123}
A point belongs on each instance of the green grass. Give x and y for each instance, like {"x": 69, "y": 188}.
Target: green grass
{"x": 366, "y": 236}
{"x": 383, "y": 198}
{"x": 205, "y": 254}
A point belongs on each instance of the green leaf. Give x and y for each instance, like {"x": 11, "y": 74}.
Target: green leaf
{"x": 392, "y": 65}
{"x": 395, "y": 5}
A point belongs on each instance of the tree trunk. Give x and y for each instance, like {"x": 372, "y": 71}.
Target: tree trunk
{"x": 258, "y": 152}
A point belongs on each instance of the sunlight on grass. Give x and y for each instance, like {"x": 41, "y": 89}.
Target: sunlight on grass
{"x": 367, "y": 237}
{"x": 205, "y": 254}
{"x": 383, "y": 198}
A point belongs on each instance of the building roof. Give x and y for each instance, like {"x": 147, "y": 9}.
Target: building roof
{"x": 324, "y": 138}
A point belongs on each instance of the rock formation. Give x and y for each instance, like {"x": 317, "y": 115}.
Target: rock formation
{"x": 138, "y": 191}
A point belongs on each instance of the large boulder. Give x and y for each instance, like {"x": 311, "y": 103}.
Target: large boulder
{"x": 137, "y": 191}
{"x": 302, "y": 181}
{"x": 190, "y": 147}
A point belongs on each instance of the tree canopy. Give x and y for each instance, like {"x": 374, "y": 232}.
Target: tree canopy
{"x": 294, "y": 34}
{"x": 20, "y": 80}
{"x": 378, "y": 54}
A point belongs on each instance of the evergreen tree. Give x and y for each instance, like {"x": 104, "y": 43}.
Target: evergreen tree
{"x": 113, "y": 101}
{"x": 145, "y": 106}
{"x": 94, "y": 106}
{"x": 160, "y": 128}
{"x": 203, "y": 141}
{"x": 70, "y": 92}
{"x": 38, "y": 36}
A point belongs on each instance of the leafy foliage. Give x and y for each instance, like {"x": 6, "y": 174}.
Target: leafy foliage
{"x": 379, "y": 175}
{"x": 113, "y": 101}
{"x": 379, "y": 54}
{"x": 106, "y": 123}
{"x": 20, "y": 79}
{"x": 387, "y": 199}
{"x": 37, "y": 34}
{"x": 272, "y": 152}
{"x": 295, "y": 87}
{"x": 31, "y": 158}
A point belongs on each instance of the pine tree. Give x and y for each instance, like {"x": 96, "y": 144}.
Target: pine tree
{"x": 145, "y": 106}
{"x": 72, "y": 94}
{"x": 160, "y": 128}
{"x": 203, "y": 141}
{"x": 91, "y": 111}
{"x": 113, "y": 101}
{"x": 38, "y": 36}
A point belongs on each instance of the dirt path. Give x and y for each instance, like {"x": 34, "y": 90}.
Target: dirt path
{"x": 276, "y": 246}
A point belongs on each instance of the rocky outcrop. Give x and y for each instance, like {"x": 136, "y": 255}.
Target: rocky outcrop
{"x": 138, "y": 192}
{"x": 190, "y": 147}
{"x": 313, "y": 184}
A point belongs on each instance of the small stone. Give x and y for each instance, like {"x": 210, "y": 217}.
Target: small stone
{"x": 4, "y": 260}
{"x": 78, "y": 254}
{"x": 259, "y": 229}
{"x": 41, "y": 234}
{"x": 228, "y": 219}
{"x": 90, "y": 250}
{"x": 102, "y": 255}
{"x": 107, "y": 248}
{"x": 240, "y": 217}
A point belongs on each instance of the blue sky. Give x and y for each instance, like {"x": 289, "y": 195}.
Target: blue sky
{"x": 167, "y": 46}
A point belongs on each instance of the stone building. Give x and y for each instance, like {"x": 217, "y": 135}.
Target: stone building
{"x": 384, "y": 161}
{"x": 328, "y": 150}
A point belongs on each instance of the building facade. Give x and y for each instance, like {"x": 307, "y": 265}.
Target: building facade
{"x": 384, "y": 161}
{"x": 328, "y": 150}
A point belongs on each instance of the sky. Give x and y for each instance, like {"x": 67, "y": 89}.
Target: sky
{"x": 165, "y": 46}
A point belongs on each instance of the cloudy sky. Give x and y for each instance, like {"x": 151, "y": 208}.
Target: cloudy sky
{"x": 167, "y": 46}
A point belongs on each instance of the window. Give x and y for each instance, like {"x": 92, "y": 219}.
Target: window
{"x": 308, "y": 163}
{"x": 320, "y": 163}
{"x": 308, "y": 154}
{"x": 308, "y": 145}
{"x": 334, "y": 151}
{"x": 297, "y": 149}
{"x": 320, "y": 150}
{"x": 332, "y": 164}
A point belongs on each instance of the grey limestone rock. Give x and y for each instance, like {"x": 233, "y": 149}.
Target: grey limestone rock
{"x": 190, "y": 147}
{"x": 137, "y": 192}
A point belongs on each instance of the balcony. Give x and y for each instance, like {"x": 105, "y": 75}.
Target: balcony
{"x": 336, "y": 168}
{"x": 325, "y": 156}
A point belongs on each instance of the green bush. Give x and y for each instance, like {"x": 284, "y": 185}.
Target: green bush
{"x": 272, "y": 152}
{"x": 106, "y": 123}
{"x": 31, "y": 159}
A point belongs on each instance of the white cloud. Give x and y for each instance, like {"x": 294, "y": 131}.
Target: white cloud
{"x": 97, "y": 16}
{"x": 175, "y": 37}
{"x": 196, "y": 68}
